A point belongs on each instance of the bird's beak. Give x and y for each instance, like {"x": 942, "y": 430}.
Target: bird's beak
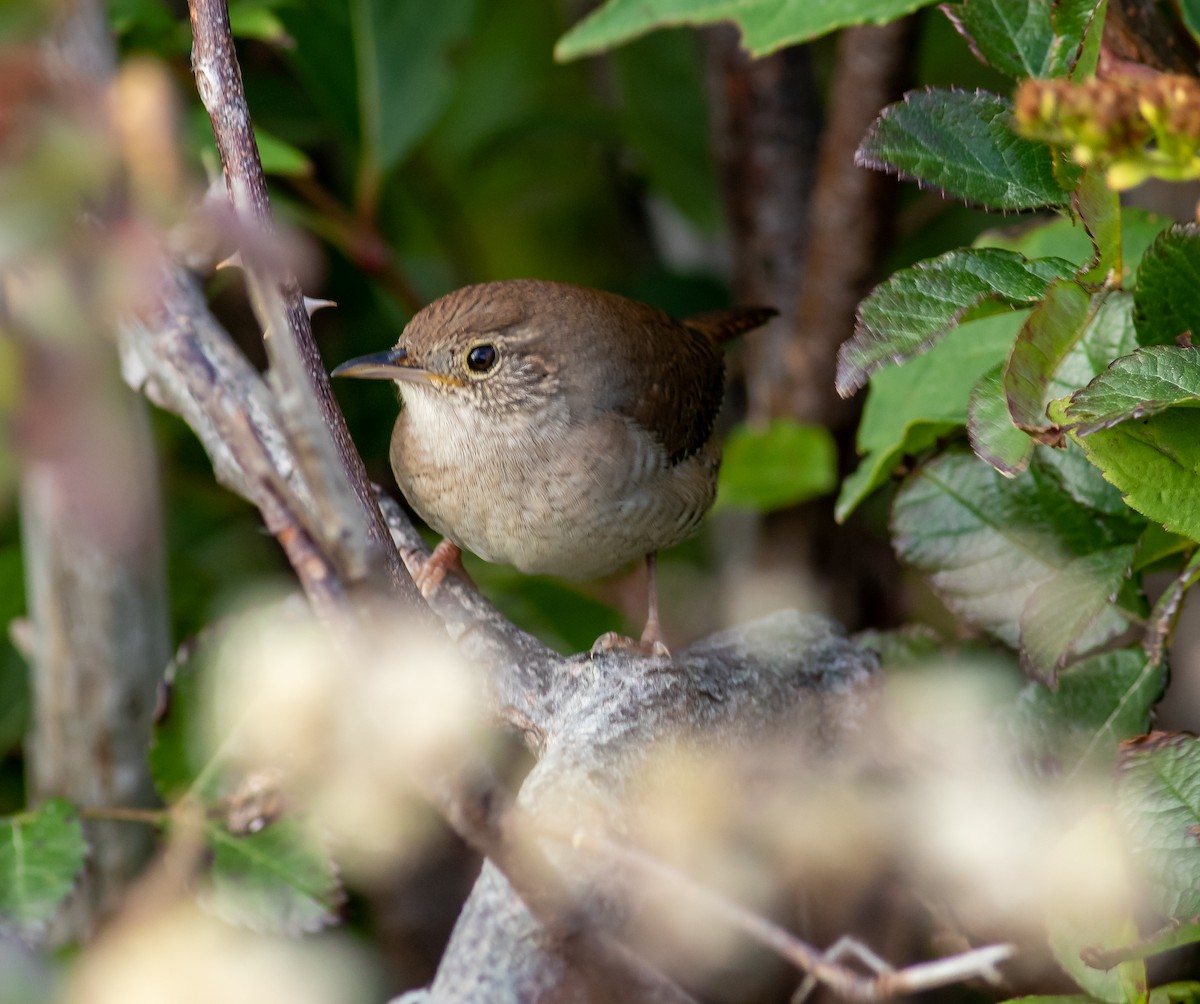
{"x": 392, "y": 364}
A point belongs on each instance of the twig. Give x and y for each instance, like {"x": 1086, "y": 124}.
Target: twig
{"x": 842, "y": 980}
{"x": 351, "y": 527}
{"x": 184, "y": 361}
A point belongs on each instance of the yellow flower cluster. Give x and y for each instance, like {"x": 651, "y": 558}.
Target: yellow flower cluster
{"x": 1133, "y": 129}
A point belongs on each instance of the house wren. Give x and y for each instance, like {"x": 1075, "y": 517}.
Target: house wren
{"x": 559, "y": 429}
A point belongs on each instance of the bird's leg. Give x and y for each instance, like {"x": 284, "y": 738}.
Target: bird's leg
{"x": 652, "y": 636}
{"x": 446, "y": 557}
{"x": 651, "y": 642}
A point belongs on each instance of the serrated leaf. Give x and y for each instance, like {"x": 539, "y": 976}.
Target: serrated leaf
{"x": 778, "y": 466}
{"x": 1097, "y": 702}
{"x": 1051, "y": 331}
{"x": 1157, "y": 545}
{"x": 1165, "y": 302}
{"x": 766, "y": 25}
{"x": 962, "y": 143}
{"x": 1040, "y": 38}
{"x": 41, "y": 855}
{"x": 912, "y": 310}
{"x": 990, "y": 429}
{"x": 1136, "y": 386}
{"x": 1077, "y": 478}
{"x": 1158, "y": 805}
{"x": 986, "y": 542}
{"x": 1109, "y": 335}
{"x": 1073, "y": 611}
{"x": 1065, "y": 238}
{"x": 1099, "y": 209}
{"x": 1155, "y": 464}
{"x": 901, "y": 418}
{"x": 276, "y": 880}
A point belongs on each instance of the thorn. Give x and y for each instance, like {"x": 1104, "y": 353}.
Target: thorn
{"x": 311, "y": 306}
{"x": 233, "y": 261}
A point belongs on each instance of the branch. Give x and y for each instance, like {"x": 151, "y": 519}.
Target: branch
{"x": 344, "y": 521}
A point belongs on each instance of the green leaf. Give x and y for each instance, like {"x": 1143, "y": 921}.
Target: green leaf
{"x": 1155, "y": 464}
{"x": 1097, "y": 702}
{"x": 1189, "y": 10}
{"x": 664, "y": 118}
{"x": 1040, "y": 38}
{"x": 990, "y": 429}
{"x": 778, "y": 466}
{"x": 1165, "y": 302}
{"x": 1136, "y": 386}
{"x": 41, "y": 856}
{"x": 963, "y": 144}
{"x": 1099, "y": 209}
{"x": 1089, "y": 54}
{"x": 1109, "y": 335}
{"x": 257, "y": 19}
{"x": 987, "y": 542}
{"x": 402, "y": 50}
{"x": 1158, "y": 545}
{"x": 1158, "y": 804}
{"x": 1182, "y": 992}
{"x": 1052, "y": 329}
{"x": 1065, "y": 238}
{"x": 1073, "y": 611}
{"x": 912, "y": 310}
{"x": 1072, "y": 474}
{"x": 766, "y": 25}
{"x": 902, "y": 418}
{"x": 379, "y": 70}
{"x": 281, "y": 158}
{"x": 276, "y": 880}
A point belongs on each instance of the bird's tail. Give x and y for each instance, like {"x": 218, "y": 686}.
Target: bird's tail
{"x": 725, "y": 325}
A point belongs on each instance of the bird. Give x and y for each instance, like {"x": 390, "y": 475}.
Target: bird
{"x": 557, "y": 428}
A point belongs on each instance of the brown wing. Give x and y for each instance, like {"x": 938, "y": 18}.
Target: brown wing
{"x": 680, "y": 372}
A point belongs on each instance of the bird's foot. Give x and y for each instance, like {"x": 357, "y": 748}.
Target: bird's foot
{"x": 650, "y": 644}
{"x": 446, "y": 557}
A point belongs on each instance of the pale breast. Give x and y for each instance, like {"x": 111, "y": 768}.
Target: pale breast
{"x": 551, "y": 496}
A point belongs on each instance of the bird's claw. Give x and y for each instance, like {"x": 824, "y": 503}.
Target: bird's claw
{"x": 614, "y": 641}
{"x": 446, "y": 557}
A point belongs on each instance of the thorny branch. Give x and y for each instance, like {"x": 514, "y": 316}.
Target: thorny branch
{"x": 344, "y": 519}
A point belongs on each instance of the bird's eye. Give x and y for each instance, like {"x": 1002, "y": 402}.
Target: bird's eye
{"x": 482, "y": 358}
